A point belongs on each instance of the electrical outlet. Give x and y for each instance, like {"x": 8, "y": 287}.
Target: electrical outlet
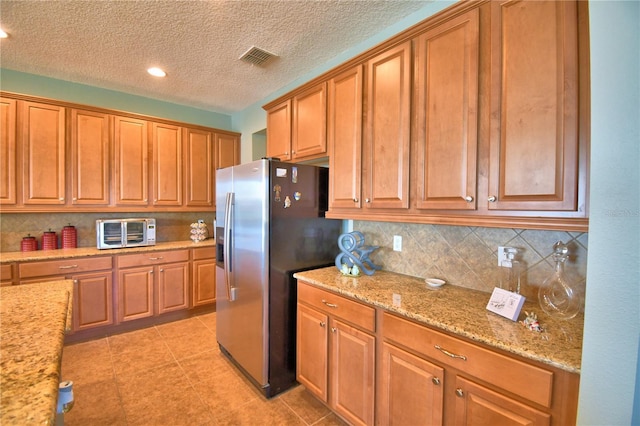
{"x": 503, "y": 258}
{"x": 397, "y": 243}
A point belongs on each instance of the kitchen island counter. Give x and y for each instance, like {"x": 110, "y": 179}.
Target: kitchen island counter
{"x": 33, "y": 322}
{"x": 462, "y": 312}
{"x": 28, "y": 256}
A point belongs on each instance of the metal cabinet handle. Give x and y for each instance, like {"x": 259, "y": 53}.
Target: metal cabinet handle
{"x": 331, "y": 305}
{"x": 450, "y": 354}
{"x": 468, "y": 199}
{"x": 155, "y": 258}
{"x": 436, "y": 381}
{"x": 323, "y": 324}
{"x": 161, "y": 270}
{"x": 355, "y": 200}
{"x": 333, "y": 329}
{"x": 460, "y": 392}
{"x": 366, "y": 200}
{"x": 68, "y": 267}
{"x": 492, "y": 199}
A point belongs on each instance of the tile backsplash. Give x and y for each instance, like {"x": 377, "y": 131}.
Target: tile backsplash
{"x": 15, "y": 226}
{"x": 468, "y": 256}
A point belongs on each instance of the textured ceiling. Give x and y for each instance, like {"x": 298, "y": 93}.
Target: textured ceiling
{"x": 110, "y": 44}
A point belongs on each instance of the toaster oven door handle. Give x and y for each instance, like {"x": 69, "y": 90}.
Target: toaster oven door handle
{"x": 227, "y": 245}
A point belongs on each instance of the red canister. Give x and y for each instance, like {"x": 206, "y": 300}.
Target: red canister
{"x": 69, "y": 238}
{"x": 49, "y": 240}
{"x": 29, "y": 243}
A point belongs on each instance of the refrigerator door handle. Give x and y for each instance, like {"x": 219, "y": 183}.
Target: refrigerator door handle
{"x": 227, "y": 246}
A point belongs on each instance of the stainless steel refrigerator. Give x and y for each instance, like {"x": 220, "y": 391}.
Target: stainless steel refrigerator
{"x": 269, "y": 224}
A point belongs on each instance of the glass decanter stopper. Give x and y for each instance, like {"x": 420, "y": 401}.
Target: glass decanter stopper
{"x": 556, "y": 295}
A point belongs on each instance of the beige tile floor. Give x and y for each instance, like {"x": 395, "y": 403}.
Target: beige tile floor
{"x": 174, "y": 374}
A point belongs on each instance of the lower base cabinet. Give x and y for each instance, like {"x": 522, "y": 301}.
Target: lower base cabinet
{"x": 336, "y": 353}
{"x": 92, "y": 300}
{"x": 203, "y": 276}
{"x": 424, "y": 376}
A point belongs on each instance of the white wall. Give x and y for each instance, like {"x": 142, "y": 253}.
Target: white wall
{"x": 612, "y": 316}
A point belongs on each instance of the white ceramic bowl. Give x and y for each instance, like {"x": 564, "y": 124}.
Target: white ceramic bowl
{"x": 434, "y": 282}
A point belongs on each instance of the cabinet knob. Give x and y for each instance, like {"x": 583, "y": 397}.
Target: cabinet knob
{"x": 468, "y": 199}
{"x": 75, "y": 281}
{"x": 61, "y": 198}
{"x": 323, "y": 324}
{"x": 151, "y": 271}
{"x": 333, "y": 329}
{"x": 460, "y": 392}
{"x": 366, "y": 200}
{"x": 436, "y": 381}
{"x": 355, "y": 200}
{"x": 161, "y": 270}
{"x": 492, "y": 199}
{"x": 75, "y": 199}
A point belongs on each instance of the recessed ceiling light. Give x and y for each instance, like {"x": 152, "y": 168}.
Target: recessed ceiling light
{"x": 3, "y": 34}
{"x": 156, "y": 72}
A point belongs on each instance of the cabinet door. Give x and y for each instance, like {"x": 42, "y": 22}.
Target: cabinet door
{"x": 90, "y": 163}
{"x": 344, "y": 136}
{"x": 43, "y": 144}
{"x": 173, "y": 287}
{"x": 534, "y": 99}
{"x": 199, "y": 168}
{"x": 309, "y": 128}
{"x": 446, "y": 94}
{"x": 411, "y": 388}
{"x": 386, "y": 149}
{"x": 279, "y": 131}
{"x": 227, "y": 150}
{"x": 352, "y": 372}
{"x": 167, "y": 164}
{"x": 8, "y": 178}
{"x": 92, "y": 300}
{"x": 131, "y": 148}
{"x": 204, "y": 282}
{"x": 135, "y": 293}
{"x": 478, "y": 405}
{"x": 312, "y": 351}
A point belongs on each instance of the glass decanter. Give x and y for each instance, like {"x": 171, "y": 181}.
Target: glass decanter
{"x": 557, "y": 296}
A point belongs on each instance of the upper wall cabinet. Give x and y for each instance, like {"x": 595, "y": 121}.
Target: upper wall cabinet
{"x": 90, "y": 157}
{"x": 534, "y": 100}
{"x": 8, "y": 152}
{"x": 446, "y": 106}
{"x": 43, "y": 151}
{"x": 297, "y": 127}
{"x": 56, "y": 156}
{"x": 385, "y": 157}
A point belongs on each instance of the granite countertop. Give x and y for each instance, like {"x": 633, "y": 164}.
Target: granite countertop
{"x": 33, "y": 321}
{"x": 463, "y": 312}
{"x": 28, "y": 256}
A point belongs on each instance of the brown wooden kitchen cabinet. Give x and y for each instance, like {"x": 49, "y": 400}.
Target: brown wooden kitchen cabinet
{"x": 385, "y": 158}
{"x": 131, "y": 162}
{"x": 309, "y": 123}
{"x": 152, "y": 283}
{"x": 92, "y": 286}
{"x": 479, "y": 385}
{"x": 344, "y": 138}
{"x": 166, "y": 169}
{"x": 336, "y": 352}
{"x": 8, "y": 152}
{"x": 199, "y": 168}
{"x": 279, "y": 131}
{"x": 203, "y": 276}
{"x": 444, "y": 162}
{"x": 42, "y": 139}
{"x": 534, "y": 144}
{"x": 227, "y": 150}
{"x": 90, "y": 157}
{"x": 411, "y": 389}
{"x": 7, "y": 276}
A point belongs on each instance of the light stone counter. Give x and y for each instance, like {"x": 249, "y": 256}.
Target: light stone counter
{"x": 28, "y": 256}
{"x": 33, "y": 320}
{"x": 463, "y": 312}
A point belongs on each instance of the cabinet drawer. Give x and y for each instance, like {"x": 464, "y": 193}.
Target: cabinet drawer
{"x": 64, "y": 267}
{"x": 338, "y": 306}
{"x": 204, "y": 253}
{"x": 152, "y": 258}
{"x": 6, "y": 272}
{"x": 520, "y": 378}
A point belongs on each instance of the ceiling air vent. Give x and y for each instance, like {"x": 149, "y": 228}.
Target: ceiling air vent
{"x": 256, "y": 56}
